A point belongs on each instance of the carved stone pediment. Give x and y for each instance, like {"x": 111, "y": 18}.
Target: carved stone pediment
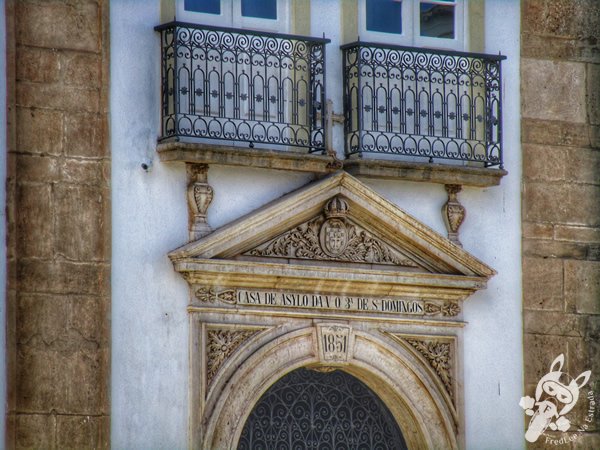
{"x": 337, "y": 236}
{"x": 332, "y": 236}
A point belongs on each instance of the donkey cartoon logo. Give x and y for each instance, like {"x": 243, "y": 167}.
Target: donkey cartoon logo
{"x": 555, "y": 395}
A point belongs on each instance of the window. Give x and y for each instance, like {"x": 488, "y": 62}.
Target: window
{"x": 419, "y": 23}
{"x": 265, "y": 15}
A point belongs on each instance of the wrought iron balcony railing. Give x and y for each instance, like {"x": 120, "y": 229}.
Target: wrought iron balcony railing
{"x": 242, "y": 85}
{"x": 422, "y": 103}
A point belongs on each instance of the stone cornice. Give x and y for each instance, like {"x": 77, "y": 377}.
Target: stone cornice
{"x": 334, "y": 280}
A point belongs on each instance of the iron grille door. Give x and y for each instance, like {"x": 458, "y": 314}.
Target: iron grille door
{"x": 307, "y": 409}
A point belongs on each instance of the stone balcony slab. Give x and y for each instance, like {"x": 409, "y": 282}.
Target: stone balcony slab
{"x": 250, "y": 157}
{"x": 427, "y": 172}
{"x": 198, "y": 153}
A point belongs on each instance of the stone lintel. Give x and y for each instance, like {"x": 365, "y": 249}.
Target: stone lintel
{"x": 249, "y": 157}
{"x": 327, "y": 280}
{"x": 425, "y": 172}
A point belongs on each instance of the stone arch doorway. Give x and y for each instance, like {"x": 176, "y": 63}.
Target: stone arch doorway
{"x": 397, "y": 377}
{"x": 312, "y": 409}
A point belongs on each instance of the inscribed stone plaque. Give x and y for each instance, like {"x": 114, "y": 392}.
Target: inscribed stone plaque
{"x": 334, "y": 343}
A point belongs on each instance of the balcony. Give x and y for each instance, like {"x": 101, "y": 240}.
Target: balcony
{"x": 242, "y": 87}
{"x": 247, "y": 98}
{"x": 422, "y": 105}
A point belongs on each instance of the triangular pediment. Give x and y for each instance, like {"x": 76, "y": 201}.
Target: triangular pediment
{"x": 338, "y": 239}
{"x": 336, "y": 221}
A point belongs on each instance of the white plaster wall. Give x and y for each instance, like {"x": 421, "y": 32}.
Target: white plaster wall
{"x": 149, "y": 322}
{"x": 149, "y": 380}
{"x": 326, "y": 18}
{"x": 493, "y": 337}
{"x": 3, "y": 152}
{"x": 493, "y": 353}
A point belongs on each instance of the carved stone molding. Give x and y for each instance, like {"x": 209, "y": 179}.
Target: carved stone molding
{"x": 439, "y": 355}
{"x": 448, "y": 309}
{"x": 331, "y": 236}
{"x": 323, "y": 369}
{"x": 220, "y": 345}
{"x": 217, "y": 423}
{"x": 212, "y": 295}
{"x": 199, "y": 195}
{"x": 453, "y": 212}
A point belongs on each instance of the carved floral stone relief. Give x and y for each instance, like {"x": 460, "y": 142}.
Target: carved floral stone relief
{"x": 439, "y": 354}
{"x": 220, "y": 345}
{"x": 447, "y": 309}
{"x": 212, "y": 295}
{"x": 332, "y": 236}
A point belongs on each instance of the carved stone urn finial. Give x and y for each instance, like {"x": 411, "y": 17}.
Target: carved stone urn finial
{"x": 199, "y": 195}
{"x": 453, "y": 212}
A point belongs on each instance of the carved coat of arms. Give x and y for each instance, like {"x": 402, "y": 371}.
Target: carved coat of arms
{"x": 331, "y": 236}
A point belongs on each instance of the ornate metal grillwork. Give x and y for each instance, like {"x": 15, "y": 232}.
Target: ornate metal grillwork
{"x": 422, "y": 103}
{"x": 241, "y": 85}
{"x": 315, "y": 410}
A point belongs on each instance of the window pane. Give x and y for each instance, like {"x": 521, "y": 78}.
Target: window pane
{"x": 384, "y": 16}
{"x": 437, "y": 20}
{"x": 264, "y": 9}
{"x": 203, "y": 6}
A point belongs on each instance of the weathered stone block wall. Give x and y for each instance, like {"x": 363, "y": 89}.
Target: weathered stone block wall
{"x": 58, "y": 224}
{"x": 560, "y": 94}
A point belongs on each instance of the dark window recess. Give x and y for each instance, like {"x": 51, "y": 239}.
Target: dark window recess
{"x": 313, "y": 410}
{"x": 203, "y": 6}
{"x": 437, "y": 21}
{"x": 263, "y": 9}
{"x": 384, "y": 16}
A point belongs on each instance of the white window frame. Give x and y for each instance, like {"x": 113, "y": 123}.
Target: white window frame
{"x": 411, "y": 24}
{"x": 231, "y": 16}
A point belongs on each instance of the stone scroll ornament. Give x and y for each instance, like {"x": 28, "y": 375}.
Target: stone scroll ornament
{"x": 331, "y": 236}
{"x": 448, "y": 309}
{"x": 211, "y": 295}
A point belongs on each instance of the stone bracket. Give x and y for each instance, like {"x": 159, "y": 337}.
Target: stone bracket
{"x": 199, "y": 195}
{"x": 453, "y": 212}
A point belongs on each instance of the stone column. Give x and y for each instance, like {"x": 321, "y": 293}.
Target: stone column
{"x": 560, "y": 98}
{"x": 58, "y": 202}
